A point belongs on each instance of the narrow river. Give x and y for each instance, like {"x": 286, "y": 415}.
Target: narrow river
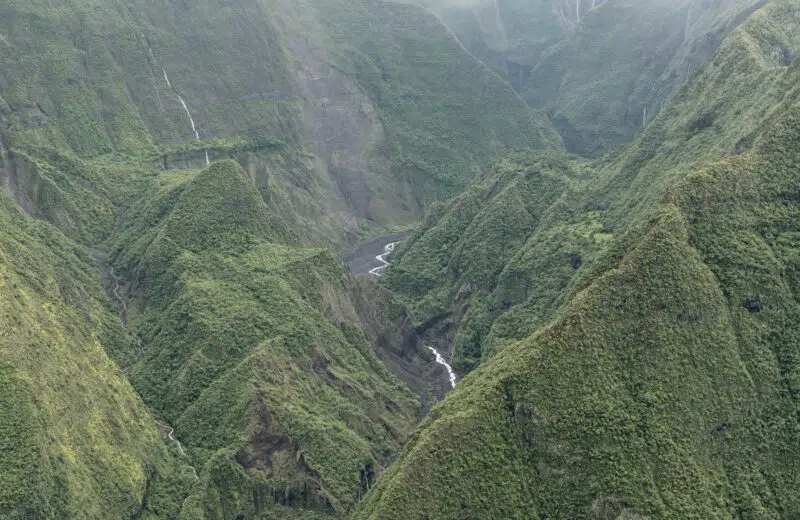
{"x": 383, "y": 263}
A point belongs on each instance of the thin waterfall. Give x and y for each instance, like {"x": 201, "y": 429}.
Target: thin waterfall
{"x": 183, "y": 104}
{"x": 440, "y": 359}
{"x": 499, "y": 21}
{"x": 152, "y": 75}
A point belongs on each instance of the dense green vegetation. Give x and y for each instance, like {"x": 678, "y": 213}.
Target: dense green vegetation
{"x": 252, "y": 347}
{"x": 320, "y": 76}
{"x": 625, "y": 327}
{"x": 236, "y": 327}
{"x": 75, "y": 439}
{"x": 637, "y": 341}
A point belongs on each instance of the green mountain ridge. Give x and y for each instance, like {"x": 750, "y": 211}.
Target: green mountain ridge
{"x": 636, "y": 343}
{"x": 180, "y": 339}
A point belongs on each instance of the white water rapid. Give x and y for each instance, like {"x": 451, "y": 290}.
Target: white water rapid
{"x": 387, "y": 250}
{"x": 446, "y": 365}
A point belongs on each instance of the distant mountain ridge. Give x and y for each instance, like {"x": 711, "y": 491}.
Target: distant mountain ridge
{"x": 602, "y": 71}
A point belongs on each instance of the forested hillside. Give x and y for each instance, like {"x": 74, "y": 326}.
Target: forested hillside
{"x": 636, "y": 343}
{"x": 618, "y": 290}
{"x": 224, "y": 316}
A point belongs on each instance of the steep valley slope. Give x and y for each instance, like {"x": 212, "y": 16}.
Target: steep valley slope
{"x": 631, "y": 324}
{"x": 179, "y": 338}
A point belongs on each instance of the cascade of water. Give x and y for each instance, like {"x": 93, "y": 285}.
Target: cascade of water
{"x": 153, "y": 76}
{"x": 123, "y": 310}
{"x": 166, "y": 78}
{"x": 171, "y": 436}
{"x": 500, "y": 25}
{"x": 191, "y": 122}
{"x": 688, "y": 23}
{"x": 185, "y": 107}
{"x": 440, "y": 359}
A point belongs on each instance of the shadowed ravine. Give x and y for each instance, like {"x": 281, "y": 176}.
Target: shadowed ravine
{"x": 122, "y": 306}
{"x": 388, "y": 249}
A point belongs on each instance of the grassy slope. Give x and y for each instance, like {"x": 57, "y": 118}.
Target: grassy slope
{"x": 657, "y": 376}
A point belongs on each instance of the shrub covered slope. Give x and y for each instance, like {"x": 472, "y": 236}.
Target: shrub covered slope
{"x": 635, "y": 331}
{"x": 75, "y": 439}
{"x": 252, "y": 347}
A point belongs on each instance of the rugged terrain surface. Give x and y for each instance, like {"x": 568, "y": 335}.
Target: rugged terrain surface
{"x": 223, "y": 315}
{"x": 181, "y": 338}
{"x": 636, "y": 343}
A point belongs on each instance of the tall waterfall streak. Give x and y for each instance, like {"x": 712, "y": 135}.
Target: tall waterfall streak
{"x": 171, "y": 436}
{"x": 387, "y": 250}
{"x": 578, "y": 10}
{"x": 688, "y": 23}
{"x": 188, "y": 113}
{"x": 499, "y": 21}
{"x": 644, "y": 117}
{"x": 123, "y": 306}
{"x": 152, "y": 75}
